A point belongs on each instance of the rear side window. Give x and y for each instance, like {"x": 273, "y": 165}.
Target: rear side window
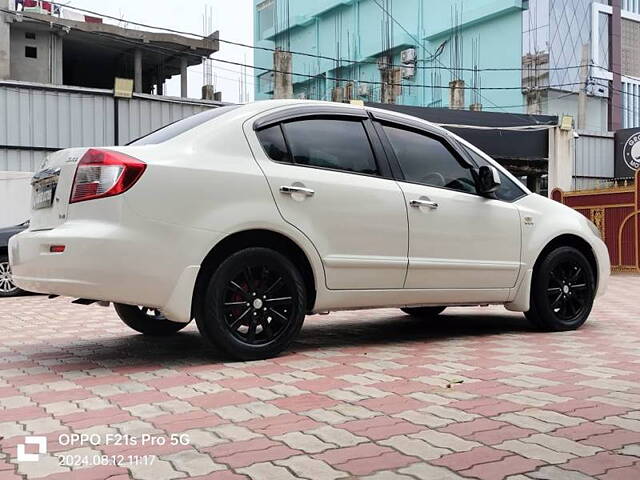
{"x": 509, "y": 190}
{"x": 272, "y": 140}
{"x": 181, "y": 126}
{"x": 427, "y": 160}
{"x": 330, "y": 143}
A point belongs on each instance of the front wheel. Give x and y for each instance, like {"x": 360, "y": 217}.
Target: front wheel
{"x": 562, "y": 291}
{"x": 254, "y": 306}
{"x": 147, "y": 321}
{"x": 7, "y": 287}
{"x": 423, "y": 312}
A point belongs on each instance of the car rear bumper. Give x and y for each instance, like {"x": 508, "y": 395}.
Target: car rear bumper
{"x": 107, "y": 262}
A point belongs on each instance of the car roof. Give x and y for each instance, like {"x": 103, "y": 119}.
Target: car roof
{"x": 271, "y": 106}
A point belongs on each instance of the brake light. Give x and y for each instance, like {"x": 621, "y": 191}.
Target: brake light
{"x": 104, "y": 173}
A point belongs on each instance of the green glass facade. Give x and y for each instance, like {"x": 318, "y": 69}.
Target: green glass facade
{"x": 347, "y": 39}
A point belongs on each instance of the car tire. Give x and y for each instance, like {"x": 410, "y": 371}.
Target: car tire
{"x": 147, "y": 321}
{"x": 254, "y": 306}
{"x": 423, "y": 312}
{"x": 562, "y": 291}
{"x": 7, "y": 287}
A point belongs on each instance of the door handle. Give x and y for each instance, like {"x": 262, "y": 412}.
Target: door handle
{"x": 290, "y": 189}
{"x": 423, "y": 203}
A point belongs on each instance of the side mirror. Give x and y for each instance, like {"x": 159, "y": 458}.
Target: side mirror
{"x": 488, "y": 180}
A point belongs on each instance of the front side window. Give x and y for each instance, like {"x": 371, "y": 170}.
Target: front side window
{"x": 509, "y": 190}
{"x": 427, "y": 160}
{"x": 329, "y": 143}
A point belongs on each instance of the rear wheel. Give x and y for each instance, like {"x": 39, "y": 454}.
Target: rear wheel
{"x": 254, "y": 306}
{"x": 148, "y": 321}
{"x": 423, "y": 312}
{"x": 562, "y": 291}
{"x": 7, "y": 287}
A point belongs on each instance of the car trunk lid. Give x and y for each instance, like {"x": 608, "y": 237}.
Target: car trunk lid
{"x": 51, "y": 189}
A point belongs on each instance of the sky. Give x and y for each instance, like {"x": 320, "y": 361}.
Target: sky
{"x": 233, "y": 18}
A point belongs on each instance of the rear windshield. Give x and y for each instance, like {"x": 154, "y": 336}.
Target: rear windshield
{"x": 177, "y": 128}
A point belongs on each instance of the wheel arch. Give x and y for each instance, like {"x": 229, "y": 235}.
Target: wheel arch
{"x": 570, "y": 240}
{"x": 253, "y": 238}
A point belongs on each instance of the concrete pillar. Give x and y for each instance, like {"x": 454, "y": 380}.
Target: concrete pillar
{"x": 207, "y": 92}
{"x": 561, "y": 158}
{"x": 137, "y": 71}
{"x": 184, "y": 89}
{"x": 160, "y": 81}
{"x": 456, "y": 95}
{"x": 5, "y": 46}
{"x": 282, "y": 84}
{"x": 56, "y": 59}
{"x": 533, "y": 183}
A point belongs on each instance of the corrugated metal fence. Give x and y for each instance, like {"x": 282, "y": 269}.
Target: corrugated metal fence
{"x": 37, "y": 119}
{"x": 594, "y": 162}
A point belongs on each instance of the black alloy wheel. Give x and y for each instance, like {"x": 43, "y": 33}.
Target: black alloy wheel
{"x": 563, "y": 290}
{"x": 566, "y": 290}
{"x": 255, "y": 304}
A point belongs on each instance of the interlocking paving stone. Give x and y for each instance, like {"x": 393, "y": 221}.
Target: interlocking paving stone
{"x": 372, "y": 394}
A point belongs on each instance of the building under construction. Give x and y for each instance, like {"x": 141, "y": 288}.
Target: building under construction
{"x": 42, "y": 43}
{"x": 57, "y": 83}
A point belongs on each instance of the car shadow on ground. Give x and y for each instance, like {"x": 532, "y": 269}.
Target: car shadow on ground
{"x": 188, "y": 348}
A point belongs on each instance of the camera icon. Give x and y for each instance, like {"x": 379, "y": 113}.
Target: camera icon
{"x": 23, "y": 456}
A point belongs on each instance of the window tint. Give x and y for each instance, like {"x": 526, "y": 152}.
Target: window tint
{"x": 176, "y": 128}
{"x": 335, "y": 144}
{"x": 509, "y": 190}
{"x": 424, "y": 159}
{"x": 273, "y": 143}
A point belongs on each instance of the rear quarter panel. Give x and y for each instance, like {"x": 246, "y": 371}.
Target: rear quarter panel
{"x": 208, "y": 181}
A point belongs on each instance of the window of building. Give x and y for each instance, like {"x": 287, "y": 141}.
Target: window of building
{"x": 30, "y": 35}
{"x": 265, "y": 82}
{"x": 427, "y": 160}
{"x": 603, "y": 39}
{"x": 31, "y": 52}
{"x": 630, "y": 42}
{"x": 266, "y": 16}
{"x": 334, "y": 144}
{"x": 272, "y": 140}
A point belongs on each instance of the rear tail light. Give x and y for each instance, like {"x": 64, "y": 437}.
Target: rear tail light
{"x": 104, "y": 173}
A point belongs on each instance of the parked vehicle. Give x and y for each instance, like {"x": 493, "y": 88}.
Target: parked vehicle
{"x": 7, "y": 287}
{"x": 247, "y": 218}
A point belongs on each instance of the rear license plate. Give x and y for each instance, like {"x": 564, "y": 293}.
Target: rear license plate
{"x": 44, "y": 188}
{"x": 43, "y": 197}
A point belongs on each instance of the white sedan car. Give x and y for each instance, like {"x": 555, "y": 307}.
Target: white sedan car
{"x": 247, "y": 218}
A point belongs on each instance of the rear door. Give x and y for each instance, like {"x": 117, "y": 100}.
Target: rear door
{"x": 328, "y": 182}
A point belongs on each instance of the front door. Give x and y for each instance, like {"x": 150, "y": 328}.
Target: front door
{"x": 458, "y": 239}
{"x": 326, "y": 182}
